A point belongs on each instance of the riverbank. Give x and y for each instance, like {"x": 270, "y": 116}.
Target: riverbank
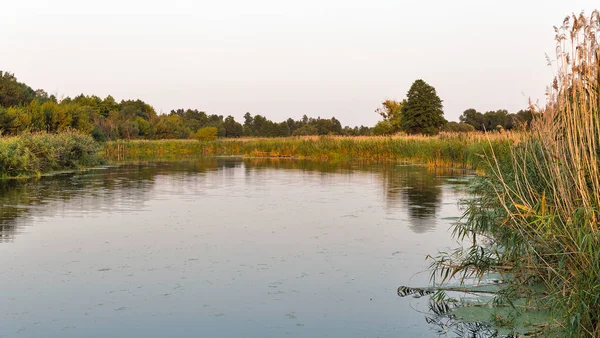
{"x": 459, "y": 150}
{"x": 33, "y": 154}
{"x": 535, "y": 215}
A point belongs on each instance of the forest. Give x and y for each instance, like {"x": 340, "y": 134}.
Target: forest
{"x": 24, "y": 109}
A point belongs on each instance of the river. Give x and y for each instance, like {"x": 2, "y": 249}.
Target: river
{"x": 223, "y": 247}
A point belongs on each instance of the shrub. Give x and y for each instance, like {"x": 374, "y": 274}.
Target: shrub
{"x": 32, "y": 154}
{"x": 206, "y": 134}
{"x": 383, "y": 128}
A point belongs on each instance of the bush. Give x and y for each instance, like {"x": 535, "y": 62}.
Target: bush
{"x": 32, "y": 154}
{"x": 383, "y": 128}
{"x": 455, "y": 127}
{"x": 206, "y": 134}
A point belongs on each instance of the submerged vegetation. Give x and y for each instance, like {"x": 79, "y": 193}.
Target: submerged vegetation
{"x": 535, "y": 217}
{"x": 444, "y": 150}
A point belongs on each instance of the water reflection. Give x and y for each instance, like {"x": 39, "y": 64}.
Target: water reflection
{"x": 222, "y": 247}
{"x": 417, "y": 189}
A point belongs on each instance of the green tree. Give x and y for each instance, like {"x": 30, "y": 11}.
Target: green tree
{"x": 283, "y": 129}
{"x": 206, "y": 134}
{"x": 232, "y": 128}
{"x": 306, "y": 131}
{"x": 12, "y": 92}
{"x": 521, "y": 120}
{"x": 473, "y": 117}
{"x": 423, "y": 112}
{"x": 391, "y": 111}
{"x": 383, "y": 128}
{"x": 248, "y": 124}
{"x": 495, "y": 120}
{"x": 23, "y": 109}
{"x": 455, "y": 127}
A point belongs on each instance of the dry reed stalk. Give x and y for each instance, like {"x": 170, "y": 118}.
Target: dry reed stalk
{"x": 552, "y": 196}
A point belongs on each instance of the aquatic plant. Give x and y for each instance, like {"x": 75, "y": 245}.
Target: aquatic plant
{"x": 31, "y": 154}
{"x": 463, "y": 150}
{"x": 536, "y": 217}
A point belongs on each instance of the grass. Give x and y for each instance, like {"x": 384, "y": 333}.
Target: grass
{"x": 33, "y": 154}
{"x": 536, "y": 215}
{"x": 446, "y": 150}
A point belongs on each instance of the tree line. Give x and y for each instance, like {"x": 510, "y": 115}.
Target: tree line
{"x": 498, "y": 119}
{"x": 24, "y": 109}
{"x": 422, "y": 113}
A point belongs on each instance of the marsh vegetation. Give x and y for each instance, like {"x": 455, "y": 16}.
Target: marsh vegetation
{"x": 535, "y": 215}
{"x": 533, "y": 219}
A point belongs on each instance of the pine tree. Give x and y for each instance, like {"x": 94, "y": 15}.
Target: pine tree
{"x": 422, "y": 113}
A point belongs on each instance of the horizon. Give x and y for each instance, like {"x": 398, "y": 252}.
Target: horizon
{"x": 334, "y": 59}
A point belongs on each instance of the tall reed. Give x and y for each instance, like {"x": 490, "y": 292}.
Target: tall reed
{"x": 31, "y": 154}
{"x": 446, "y": 150}
{"x": 539, "y": 212}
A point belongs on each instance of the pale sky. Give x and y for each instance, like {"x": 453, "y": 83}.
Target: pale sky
{"x": 284, "y": 59}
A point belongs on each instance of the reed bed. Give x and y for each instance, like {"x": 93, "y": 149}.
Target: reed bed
{"x": 445, "y": 150}
{"x": 31, "y": 154}
{"x": 538, "y": 213}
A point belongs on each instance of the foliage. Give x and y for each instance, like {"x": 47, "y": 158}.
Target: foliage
{"x": 422, "y": 113}
{"x": 12, "y": 92}
{"x": 306, "y": 130}
{"x": 24, "y": 110}
{"x": 391, "y": 111}
{"x": 446, "y": 150}
{"x": 206, "y": 134}
{"x": 383, "y": 128}
{"x": 32, "y": 154}
{"x": 499, "y": 119}
{"x": 454, "y": 127}
{"x": 537, "y": 216}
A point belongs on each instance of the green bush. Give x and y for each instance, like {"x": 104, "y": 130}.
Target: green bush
{"x": 206, "y": 134}
{"x": 383, "y": 128}
{"x": 33, "y": 154}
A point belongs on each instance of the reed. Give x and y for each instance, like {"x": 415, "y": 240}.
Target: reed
{"x": 445, "y": 150}
{"x": 538, "y": 213}
{"x": 31, "y": 154}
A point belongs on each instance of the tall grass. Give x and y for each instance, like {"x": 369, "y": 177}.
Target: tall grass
{"x": 539, "y": 212}
{"x": 449, "y": 150}
{"x": 33, "y": 154}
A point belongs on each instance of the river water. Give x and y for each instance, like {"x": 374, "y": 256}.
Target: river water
{"x": 223, "y": 248}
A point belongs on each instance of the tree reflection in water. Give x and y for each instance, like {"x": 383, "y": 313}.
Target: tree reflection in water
{"x": 417, "y": 189}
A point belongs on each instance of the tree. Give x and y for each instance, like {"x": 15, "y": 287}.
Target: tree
{"x": 248, "y": 124}
{"x": 206, "y": 134}
{"x": 232, "y": 128}
{"x": 23, "y": 109}
{"x": 495, "y": 120}
{"x": 283, "y": 129}
{"x": 522, "y": 119}
{"x": 472, "y": 117}
{"x": 12, "y": 92}
{"x": 455, "y": 127}
{"x": 306, "y": 130}
{"x": 383, "y": 128}
{"x": 391, "y": 111}
{"x": 422, "y": 113}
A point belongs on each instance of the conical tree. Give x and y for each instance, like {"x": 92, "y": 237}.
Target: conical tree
{"x": 422, "y": 113}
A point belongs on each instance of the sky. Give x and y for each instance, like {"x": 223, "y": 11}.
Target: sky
{"x": 283, "y": 59}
